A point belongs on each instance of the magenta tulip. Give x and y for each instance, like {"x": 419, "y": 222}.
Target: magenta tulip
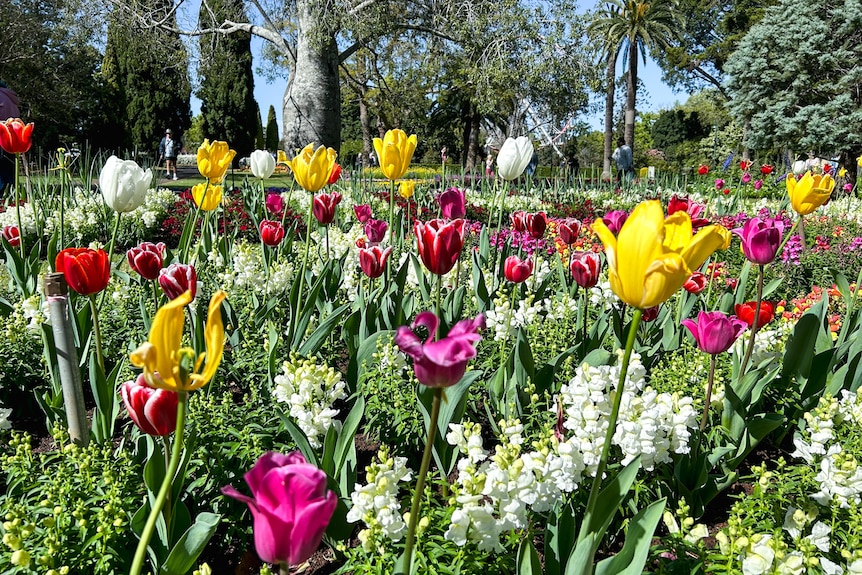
{"x": 323, "y": 207}
{"x": 453, "y": 204}
{"x": 363, "y": 212}
{"x": 290, "y": 504}
{"x": 517, "y": 270}
{"x": 585, "y": 268}
{"x": 440, "y": 363}
{"x": 274, "y": 203}
{"x": 569, "y": 230}
{"x": 440, "y": 243}
{"x": 154, "y": 411}
{"x": 373, "y": 260}
{"x": 714, "y": 331}
{"x": 615, "y": 220}
{"x": 176, "y": 279}
{"x": 375, "y": 231}
{"x": 760, "y": 239}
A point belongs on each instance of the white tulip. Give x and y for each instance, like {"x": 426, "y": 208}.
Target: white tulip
{"x": 124, "y": 184}
{"x": 514, "y": 157}
{"x": 262, "y": 164}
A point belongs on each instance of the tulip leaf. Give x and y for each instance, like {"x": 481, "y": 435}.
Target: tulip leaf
{"x": 299, "y": 438}
{"x": 348, "y": 432}
{"x": 740, "y": 293}
{"x": 559, "y": 537}
{"x": 187, "y": 550}
{"x": 580, "y": 561}
{"x": 528, "y": 559}
{"x": 479, "y": 287}
{"x": 610, "y": 498}
{"x": 632, "y": 557}
{"x": 320, "y": 335}
{"x": 771, "y": 287}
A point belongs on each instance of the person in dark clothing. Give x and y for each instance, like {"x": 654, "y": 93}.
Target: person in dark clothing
{"x": 8, "y": 109}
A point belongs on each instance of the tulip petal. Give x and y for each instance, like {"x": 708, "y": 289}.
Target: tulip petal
{"x": 165, "y": 336}
{"x": 704, "y": 243}
{"x": 214, "y": 337}
{"x": 662, "y": 278}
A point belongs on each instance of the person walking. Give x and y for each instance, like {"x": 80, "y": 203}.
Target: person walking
{"x": 622, "y": 157}
{"x": 169, "y": 149}
{"x": 8, "y": 109}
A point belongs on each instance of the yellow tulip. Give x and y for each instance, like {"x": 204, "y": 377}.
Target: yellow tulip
{"x": 207, "y": 196}
{"x": 653, "y": 255}
{"x": 406, "y": 189}
{"x": 859, "y": 161}
{"x": 167, "y": 365}
{"x": 394, "y": 153}
{"x": 282, "y": 158}
{"x": 842, "y": 172}
{"x": 810, "y": 192}
{"x": 311, "y": 168}
{"x": 214, "y": 159}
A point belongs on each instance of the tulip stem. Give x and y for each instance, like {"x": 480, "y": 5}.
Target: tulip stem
{"x": 391, "y": 222}
{"x": 18, "y": 209}
{"x": 754, "y": 323}
{"x": 283, "y": 569}
{"x": 97, "y": 332}
{"x": 110, "y": 255}
{"x": 706, "y": 401}
{"x": 609, "y": 434}
{"x": 155, "y": 296}
{"x": 296, "y": 304}
{"x": 420, "y": 480}
{"x": 173, "y": 465}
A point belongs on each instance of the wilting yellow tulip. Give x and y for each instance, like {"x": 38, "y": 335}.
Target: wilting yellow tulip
{"x": 167, "y": 365}
{"x": 653, "y": 255}
{"x": 810, "y": 192}
{"x": 207, "y": 196}
{"x": 214, "y": 159}
{"x": 406, "y": 189}
{"x": 394, "y": 152}
{"x": 311, "y": 168}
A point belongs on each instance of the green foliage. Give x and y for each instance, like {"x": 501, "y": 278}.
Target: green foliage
{"x": 259, "y": 137}
{"x": 273, "y": 142}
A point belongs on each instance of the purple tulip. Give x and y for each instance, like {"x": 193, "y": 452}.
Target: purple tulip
{"x": 615, "y": 220}
{"x": 375, "y": 231}
{"x": 719, "y": 183}
{"x": 714, "y": 331}
{"x": 290, "y": 505}
{"x": 746, "y": 177}
{"x": 440, "y": 363}
{"x": 453, "y": 204}
{"x": 758, "y": 183}
{"x": 760, "y": 239}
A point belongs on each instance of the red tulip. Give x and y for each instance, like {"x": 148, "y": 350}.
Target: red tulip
{"x": 585, "y": 269}
{"x": 536, "y": 224}
{"x": 744, "y": 165}
{"x": 684, "y": 204}
{"x": 335, "y": 175}
{"x": 154, "y": 411}
{"x": 695, "y": 283}
{"x": 440, "y": 243}
{"x": 373, "y": 260}
{"x": 147, "y": 259}
{"x": 517, "y": 218}
{"x": 177, "y": 279}
{"x": 517, "y": 270}
{"x": 650, "y": 313}
{"x": 16, "y": 137}
{"x": 323, "y": 207}
{"x": 569, "y": 230}
{"x": 703, "y": 170}
{"x": 12, "y": 235}
{"x": 87, "y": 271}
{"x": 766, "y": 169}
{"x": 745, "y": 312}
{"x": 271, "y": 232}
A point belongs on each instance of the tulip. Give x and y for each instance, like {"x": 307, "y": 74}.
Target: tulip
{"x": 684, "y": 204}
{"x": 311, "y": 168}
{"x": 746, "y": 311}
{"x": 766, "y": 169}
{"x": 372, "y": 260}
{"x": 760, "y": 239}
{"x": 650, "y": 314}
{"x": 714, "y": 331}
{"x": 758, "y": 184}
{"x": 291, "y": 507}
{"x": 440, "y": 363}
{"x": 274, "y": 203}
{"x": 363, "y": 212}
{"x": 744, "y": 165}
{"x": 12, "y": 235}
{"x": 536, "y": 224}
{"x": 167, "y": 365}
{"x": 147, "y": 259}
{"x": 394, "y": 153}
{"x": 517, "y": 270}
{"x": 87, "y": 271}
{"x": 207, "y": 196}
{"x": 153, "y": 410}
{"x": 335, "y": 175}
{"x": 653, "y": 255}
{"x": 407, "y": 188}
{"x": 703, "y": 170}
{"x": 585, "y": 268}
{"x": 214, "y": 159}
{"x": 615, "y": 220}
{"x": 719, "y": 183}
{"x": 271, "y": 232}
{"x": 569, "y": 230}
{"x": 810, "y": 192}
{"x": 453, "y": 204}
{"x": 514, "y": 156}
{"x": 281, "y": 158}
{"x": 695, "y": 283}
{"x": 517, "y": 218}
{"x": 848, "y": 187}
{"x": 262, "y": 164}
{"x": 177, "y": 279}
{"x": 323, "y": 207}
{"x": 746, "y": 177}
{"x": 16, "y": 137}
{"x": 440, "y": 243}
{"x": 124, "y": 184}
{"x": 375, "y": 230}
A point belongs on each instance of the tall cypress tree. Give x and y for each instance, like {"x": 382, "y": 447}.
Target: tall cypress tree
{"x": 228, "y": 106}
{"x": 272, "y": 139}
{"x": 259, "y": 138}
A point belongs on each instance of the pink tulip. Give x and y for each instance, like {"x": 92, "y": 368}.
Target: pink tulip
{"x": 517, "y": 218}
{"x": 758, "y": 183}
{"x": 373, "y": 260}
{"x": 453, "y": 204}
{"x": 714, "y": 331}
{"x": 569, "y": 230}
{"x": 274, "y": 203}
{"x": 176, "y": 279}
{"x": 746, "y": 177}
{"x": 517, "y": 270}
{"x": 719, "y": 183}
{"x": 695, "y": 283}
{"x": 760, "y": 239}
{"x": 440, "y": 363}
{"x": 363, "y": 212}
{"x": 147, "y": 259}
{"x": 154, "y": 411}
{"x": 684, "y": 204}
{"x": 615, "y": 220}
{"x": 375, "y": 231}
{"x": 290, "y": 504}
{"x": 12, "y": 235}
{"x": 323, "y": 207}
{"x": 440, "y": 244}
{"x": 585, "y": 269}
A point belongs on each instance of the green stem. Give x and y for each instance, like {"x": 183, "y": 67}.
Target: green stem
{"x": 97, "y": 333}
{"x": 150, "y": 527}
{"x": 298, "y": 302}
{"x": 420, "y": 480}
{"x": 155, "y": 296}
{"x": 391, "y": 225}
{"x": 111, "y": 254}
{"x": 18, "y": 209}
{"x": 754, "y": 325}
{"x": 283, "y": 569}
{"x": 166, "y": 443}
{"x": 709, "y": 384}
{"x": 439, "y": 294}
{"x": 612, "y": 425}
{"x": 185, "y": 248}
{"x": 62, "y": 211}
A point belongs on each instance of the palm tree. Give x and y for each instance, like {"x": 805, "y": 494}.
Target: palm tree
{"x": 631, "y": 27}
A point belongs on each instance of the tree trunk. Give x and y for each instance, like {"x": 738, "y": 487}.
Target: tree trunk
{"x": 466, "y": 126}
{"x": 473, "y": 144}
{"x": 609, "y": 115}
{"x": 364, "y": 119}
{"x": 312, "y": 100}
{"x": 631, "y": 96}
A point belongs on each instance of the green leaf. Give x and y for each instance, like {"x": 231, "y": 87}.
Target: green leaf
{"x": 187, "y": 550}
{"x": 609, "y": 500}
{"x": 528, "y": 559}
{"x": 300, "y": 439}
{"x": 559, "y": 537}
{"x": 319, "y": 336}
{"x": 632, "y": 558}
{"x": 348, "y": 432}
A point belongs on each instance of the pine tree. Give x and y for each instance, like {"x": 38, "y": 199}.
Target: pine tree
{"x": 259, "y": 138}
{"x": 227, "y": 83}
{"x": 272, "y": 140}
